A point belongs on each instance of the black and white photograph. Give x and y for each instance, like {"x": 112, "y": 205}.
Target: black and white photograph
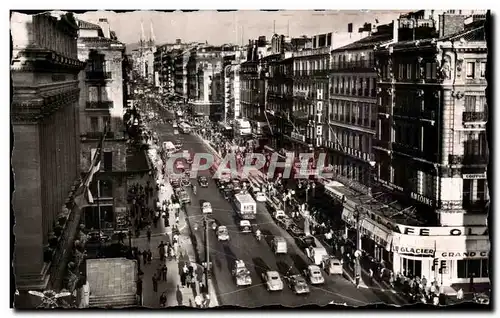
{"x": 250, "y": 159}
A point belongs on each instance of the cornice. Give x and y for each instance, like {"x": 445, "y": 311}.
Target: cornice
{"x": 43, "y": 60}
{"x": 35, "y": 109}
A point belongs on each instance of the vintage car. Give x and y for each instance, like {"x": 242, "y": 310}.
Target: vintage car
{"x": 203, "y": 181}
{"x": 185, "y": 182}
{"x": 245, "y": 226}
{"x": 298, "y": 284}
{"x": 241, "y": 274}
{"x": 183, "y": 196}
{"x": 222, "y": 233}
{"x": 332, "y": 266}
{"x": 313, "y": 274}
{"x": 175, "y": 183}
{"x": 206, "y": 207}
{"x": 272, "y": 280}
{"x": 174, "y": 125}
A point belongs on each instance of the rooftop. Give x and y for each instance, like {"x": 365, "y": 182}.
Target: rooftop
{"x": 88, "y": 25}
{"x": 111, "y": 276}
{"x": 383, "y": 205}
{"x": 137, "y": 161}
{"x": 101, "y": 42}
{"x": 470, "y": 35}
{"x": 369, "y": 41}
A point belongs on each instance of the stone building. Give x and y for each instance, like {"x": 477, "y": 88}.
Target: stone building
{"x": 431, "y": 148}
{"x": 102, "y": 101}
{"x": 352, "y": 114}
{"x": 46, "y": 146}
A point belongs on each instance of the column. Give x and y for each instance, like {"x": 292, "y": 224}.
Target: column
{"x": 44, "y": 161}
{"x": 51, "y": 173}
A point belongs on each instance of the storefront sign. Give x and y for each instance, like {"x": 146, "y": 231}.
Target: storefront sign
{"x": 358, "y": 154}
{"x": 422, "y": 199}
{"x": 413, "y": 251}
{"x": 443, "y": 231}
{"x": 474, "y": 175}
{"x": 388, "y": 185}
{"x": 461, "y": 255}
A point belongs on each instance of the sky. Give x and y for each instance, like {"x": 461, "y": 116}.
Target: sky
{"x": 226, "y": 27}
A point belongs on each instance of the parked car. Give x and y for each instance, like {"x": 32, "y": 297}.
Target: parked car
{"x": 241, "y": 274}
{"x": 184, "y": 196}
{"x": 272, "y": 280}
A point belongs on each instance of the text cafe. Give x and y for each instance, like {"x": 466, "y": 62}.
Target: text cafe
{"x": 462, "y": 250}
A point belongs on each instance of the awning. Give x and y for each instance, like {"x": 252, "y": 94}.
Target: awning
{"x": 460, "y": 247}
{"x": 379, "y": 234}
{"x": 348, "y": 216}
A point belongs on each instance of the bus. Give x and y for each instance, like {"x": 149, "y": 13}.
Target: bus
{"x": 185, "y": 128}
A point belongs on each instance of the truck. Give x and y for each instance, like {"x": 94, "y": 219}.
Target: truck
{"x": 245, "y": 206}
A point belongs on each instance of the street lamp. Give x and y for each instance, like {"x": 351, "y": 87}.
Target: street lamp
{"x": 357, "y": 253}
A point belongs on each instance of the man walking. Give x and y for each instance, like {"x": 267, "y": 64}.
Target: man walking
{"x": 164, "y": 271}
{"x": 155, "y": 283}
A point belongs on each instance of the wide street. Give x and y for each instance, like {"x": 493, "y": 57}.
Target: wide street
{"x": 257, "y": 254}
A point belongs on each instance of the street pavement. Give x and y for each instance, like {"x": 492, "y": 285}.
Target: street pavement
{"x": 257, "y": 254}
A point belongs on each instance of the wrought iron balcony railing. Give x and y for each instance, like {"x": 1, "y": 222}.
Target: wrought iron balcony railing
{"x": 469, "y": 117}
{"x": 98, "y": 75}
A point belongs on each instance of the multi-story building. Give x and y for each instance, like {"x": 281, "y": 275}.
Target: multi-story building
{"x": 181, "y": 59}
{"x": 46, "y": 146}
{"x": 253, "y": 89}
{"x": 352, "y": 113}
{"x": 164, "y": 69}
{"x": 431, "y": 150}
{"x": 102, "y": 102}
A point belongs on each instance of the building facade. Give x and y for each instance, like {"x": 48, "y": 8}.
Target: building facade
{"x": 45, "y": 154}
{"x": 164, "y": 65}
{"x": 311, "y": 95}
{"x": 352, "y": 113}
{"x": 431, "y": 130}
{"x": 102, "y": 103}
{"x": 181, "y": 59}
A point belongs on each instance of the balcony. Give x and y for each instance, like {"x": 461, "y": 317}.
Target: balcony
{"x": 97, "y": 76}
{"x": 408, "y": 150}
{"x": 384, "y": 109}
{"x": 365, "y": 65}
{"x": 470, "y": 206}
{"x": 98, "y": 135}
{"x": 474, "y": 117}
{"x": 99, "y": 105}
{"x": 321, "y": 73}
{"x": 383, "y": 144}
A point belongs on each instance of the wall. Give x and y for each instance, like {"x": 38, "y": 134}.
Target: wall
{"x": 88, "y": 33}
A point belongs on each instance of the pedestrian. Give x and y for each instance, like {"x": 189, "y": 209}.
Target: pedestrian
{"x": 198, "y": 300}
{"x": 206, "y": 301}
{"x": 161, "y": 250}
{"x": 189, "y": 280}
{"x": 148, "y": 233}
{"x": 164, "y": 272}
{"x": 163, "y": 300}
{"x": 460, "y": 294}
{"x": 371, "y": 276}
{"x": 145, "y": 256}
{"x": 183, "y": 279}
{"x": 150, "y": 256}
{"x": 155, "y": 283}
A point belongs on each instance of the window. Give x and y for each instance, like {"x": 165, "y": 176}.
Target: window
{"x": 470, "y": 69}
{"x": 470, "y": 103}
{"x": 93, "y": 94}
{"x": 477, "y": 267}
{"x": 411, "y": 267}
{"x": 427, "y": 185}
{"x": 94, "y": 124}
{"x": 475, "y": 143}
{"x": 408, "y": 71}
{"x": 108, "y": 160}
{"x": 482, "y": 69}
{"x": 400, "y": 71}
{"x": 105, "y": 189}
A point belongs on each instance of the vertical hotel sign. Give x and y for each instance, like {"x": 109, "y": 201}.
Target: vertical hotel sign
{"x": 319, "y": 115}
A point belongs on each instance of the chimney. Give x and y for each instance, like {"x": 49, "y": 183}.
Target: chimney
{"x": 395, "y": 31}
{"x": 104, "y": 24}
{"x": 450, "y": 24}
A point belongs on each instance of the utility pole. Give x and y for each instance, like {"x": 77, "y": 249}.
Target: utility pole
{"x": 207, "y": 252}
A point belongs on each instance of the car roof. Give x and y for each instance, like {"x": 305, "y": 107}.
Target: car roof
{"x": 273, "y": 273}
{"x": 313, "y": 267}
{"x": 221, "y": 227}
